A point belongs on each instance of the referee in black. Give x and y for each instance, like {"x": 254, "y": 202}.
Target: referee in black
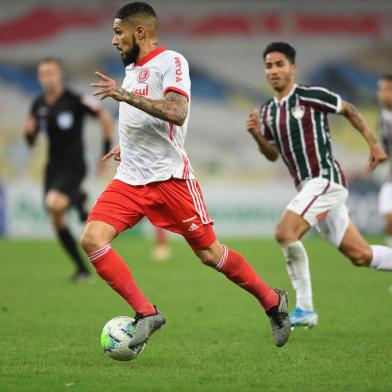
{"x": 60, "y": 113}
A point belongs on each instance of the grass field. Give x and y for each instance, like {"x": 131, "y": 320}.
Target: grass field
{"x": 216, "y": 338}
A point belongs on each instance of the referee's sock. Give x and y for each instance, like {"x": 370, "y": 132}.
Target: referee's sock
{"x": 69, "y": 244}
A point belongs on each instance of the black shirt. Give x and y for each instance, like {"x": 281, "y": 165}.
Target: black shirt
{"x": 63, "y": 123}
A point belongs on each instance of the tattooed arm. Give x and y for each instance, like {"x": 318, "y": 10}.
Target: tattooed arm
{"x": 377, "y": 154}
{"x": 173, "y": 108}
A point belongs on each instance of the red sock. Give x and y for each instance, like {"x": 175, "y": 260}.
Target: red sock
{"x": 236, "y": 268}
{"x": 111, "y": 268}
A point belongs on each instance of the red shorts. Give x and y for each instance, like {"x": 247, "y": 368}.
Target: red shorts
{"x": 176, "y": 205}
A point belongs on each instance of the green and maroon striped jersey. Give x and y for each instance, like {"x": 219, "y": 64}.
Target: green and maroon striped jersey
{"x": 298, "y": 126}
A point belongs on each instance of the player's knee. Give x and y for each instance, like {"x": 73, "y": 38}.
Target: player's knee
{"x": 209, "y": 258}
{"x": 90, "y": 240}
{"x": 361, "y": 257}
{"x": 54, "y": 209}
{"x": 284, "y": 236}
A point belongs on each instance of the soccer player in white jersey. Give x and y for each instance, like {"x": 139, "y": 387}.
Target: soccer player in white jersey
{"x": 384, "y": 94}
{"x": 294, "y": 125}
{"x": 155, "y": 178}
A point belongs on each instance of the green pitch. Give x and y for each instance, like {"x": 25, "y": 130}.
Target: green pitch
{"x": 216, "y": 337}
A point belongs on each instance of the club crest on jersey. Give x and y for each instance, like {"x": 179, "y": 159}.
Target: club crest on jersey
{"x": 143, "y": 75}
{"x": 298, "y": 111}
{"x": 65, "y": 120}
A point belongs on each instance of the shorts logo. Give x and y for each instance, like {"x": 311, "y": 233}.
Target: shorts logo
{"x": 193, "y": 227}
{"x": 298, "y": 112}
{"x": 143, "y": 75}
{"x": 65, "y": 120}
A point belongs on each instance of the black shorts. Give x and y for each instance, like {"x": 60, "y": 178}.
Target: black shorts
{"x": 65, "y": 179}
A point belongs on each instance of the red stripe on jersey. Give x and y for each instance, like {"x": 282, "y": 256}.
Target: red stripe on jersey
{"x": 307, "y": 126}
{"x": 284, "y": 136}
{"x": 185, "y": 172}
{"x": 176, "y": 90}
{"x": 171, "y": 127}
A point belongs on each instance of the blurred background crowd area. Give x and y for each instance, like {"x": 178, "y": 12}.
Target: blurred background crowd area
{"x": 342, "y": 45}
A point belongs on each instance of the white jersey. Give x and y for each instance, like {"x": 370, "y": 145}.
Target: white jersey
{"x": 153, "y": 149}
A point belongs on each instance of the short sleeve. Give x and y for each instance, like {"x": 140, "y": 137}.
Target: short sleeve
{"x": 176, "y": 77}
{"x": 89, "y": 105}
{"x": 321, "y": 99}
{"x": 265, "y": 129}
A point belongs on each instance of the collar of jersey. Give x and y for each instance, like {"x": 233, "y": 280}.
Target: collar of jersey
{"x": 285, "y": 98}
{"x": 150, "y": 56}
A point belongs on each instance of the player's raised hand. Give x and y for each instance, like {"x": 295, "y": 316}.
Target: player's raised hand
{"x": 114, "y": 153}
{"x": 253, "y": 122}
{"x": 377, "y": 155}
{"x": 107, "y": 88}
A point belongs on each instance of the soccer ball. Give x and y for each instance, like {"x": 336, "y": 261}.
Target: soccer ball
{"x": 115, "y": 337}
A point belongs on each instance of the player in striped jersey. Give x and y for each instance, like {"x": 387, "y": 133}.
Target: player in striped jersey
{"x": 384, "y": 94}
{"x": 294, "y": 125}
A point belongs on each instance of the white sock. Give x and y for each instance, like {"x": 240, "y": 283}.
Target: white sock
{"x": 382, "y": 258}
{"x": 297, "y": 264}
{"x": 388, "y": 241}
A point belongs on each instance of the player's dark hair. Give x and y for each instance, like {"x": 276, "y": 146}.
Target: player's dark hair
{"x": 281, "y": 47}
{"x": 136, "y": 8}
{"x": 387, "y": 77}
{"x": 50, "y": 60}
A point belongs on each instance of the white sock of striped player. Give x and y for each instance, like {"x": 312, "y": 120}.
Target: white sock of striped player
{"x": 382, "y": 258}
{"x": 297, "y": 264}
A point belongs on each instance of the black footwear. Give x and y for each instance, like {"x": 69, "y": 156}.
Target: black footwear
{"x": 279, "y": 319}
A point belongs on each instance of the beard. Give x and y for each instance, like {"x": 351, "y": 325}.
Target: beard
{"x": 132, "y": 55}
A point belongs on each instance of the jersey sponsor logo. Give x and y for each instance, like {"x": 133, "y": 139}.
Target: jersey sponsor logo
{"x": 141, "y": 91}
{"x": 143, "y": 75}
{"x": 65, "y": 120}
{"x": 298, "y": 111}
{"x": 177, "y": 62}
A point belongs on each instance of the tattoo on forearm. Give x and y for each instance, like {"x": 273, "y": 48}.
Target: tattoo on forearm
{"x": 359, "y": 123}
{"x": 173, "y": 108}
